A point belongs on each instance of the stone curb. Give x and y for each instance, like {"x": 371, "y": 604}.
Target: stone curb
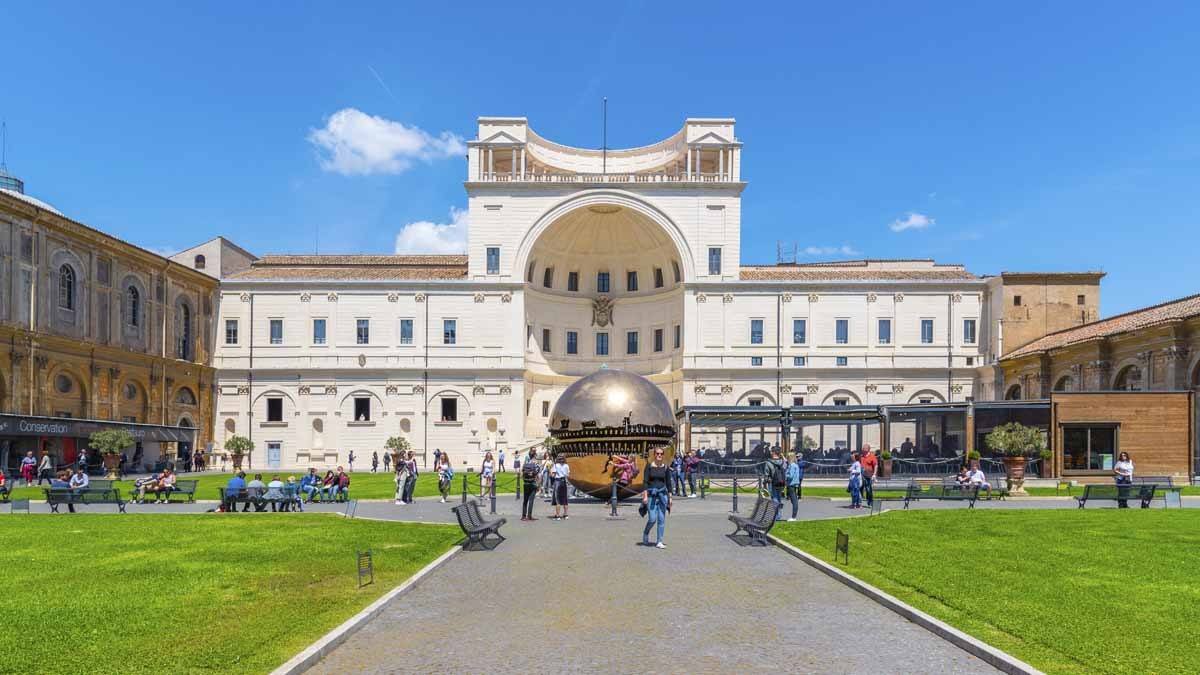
{"x": 328, "y": 642}
{"x": 996, "y": 658}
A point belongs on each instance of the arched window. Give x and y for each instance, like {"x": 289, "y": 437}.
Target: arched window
{"x": 185, "y": 396}
{"x": 66, "y": 287}
{"x": 1065, "y": 383}
{"x": 183, "y": 332}
{"x": 675, "y": 268}
{"x": 135, "y": 306}
{"x": 198, "y": 262}
{"x": 1129, "y": 379}
{"x": 1014, "y": 393}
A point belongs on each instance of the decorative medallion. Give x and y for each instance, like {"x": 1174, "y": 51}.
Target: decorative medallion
{"x": 871, "y": 388}
{"x": 303, "y": 390}
{"x": 477, "y": 391}
{"x": 786, "y": 297}
{"x": 813, "y": 297}
{"x": 478, "y": 298}
{"x": 419, "y": 297}
{"x": 392, "y": 390}
{"x": 418, "y": 389}
{"x": 814, "y": 388}
{"x": 957, "y": 297}
{"x": 602, "y": 311}
{"x": 505, "y": 390}
{"x": 899, "y": 297}
{"x": 727, "y": 298}
{"x": 506, "y": 298}
{"x": 897, "y": 389}
{"x": 245, "y": 297}
{"x": 362, "y": 360}
{"x": 727, "y": 389}
{"x": 332, "y": 297}
{"x": 393, "y": 297}
{"x": 956, "y": 389}
{"x": 700, "y": 297}
{"x": 330, "y": 389}
{"x": 787, "y": 389}
{"x": 243, "y": 389}
{"x": 871, "y": 297}
{"x": 305, "y": 297}
{"x": 699, "y": 389}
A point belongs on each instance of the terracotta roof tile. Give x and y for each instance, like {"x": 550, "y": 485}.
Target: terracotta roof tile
{"x": 355, "y": 267}
{"x": 1175, "y": 310}
{"x": 835, "y": 273}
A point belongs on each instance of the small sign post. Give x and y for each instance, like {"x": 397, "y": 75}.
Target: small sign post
{"x": 366, "y": 568}
{"x": 842, "y": 545}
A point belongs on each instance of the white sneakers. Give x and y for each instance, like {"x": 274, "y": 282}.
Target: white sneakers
{"x": 791, "y": 520}
{"x": 660, "y": 545}
{"x": 400, "y": 503}
{"x": 443, "y": 500}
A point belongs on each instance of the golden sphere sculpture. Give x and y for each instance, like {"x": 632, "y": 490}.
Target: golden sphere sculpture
{"x": 604, "y": 420}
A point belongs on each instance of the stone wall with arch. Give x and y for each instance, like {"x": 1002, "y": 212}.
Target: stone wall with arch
{"x": 933, "y": 396}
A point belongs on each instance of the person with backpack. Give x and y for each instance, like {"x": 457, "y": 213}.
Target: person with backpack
{"x": 531, "y": 470}
{"x": 445, "y": 474}
{"x": 560, "y": 472}
{"x": 776, "y": 478}
{"x": 795, "y": 476}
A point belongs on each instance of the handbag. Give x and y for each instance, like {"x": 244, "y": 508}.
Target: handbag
{"x": 642, "y": 510}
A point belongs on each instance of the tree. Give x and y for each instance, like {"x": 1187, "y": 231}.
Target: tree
{"x": 111, "y": 441}
{"x": 1016, "y": 440}
{"x": 550, "y": 443}
{"x": 239, "y": 445}
{"x": 397, "y": 444}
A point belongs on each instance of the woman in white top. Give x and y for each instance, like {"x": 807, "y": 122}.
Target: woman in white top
{"x": 486, "y": 472}
{"x": 855, "y": 486}
{"x": 1123, "y": 472}
{"x": 443, "y": 475}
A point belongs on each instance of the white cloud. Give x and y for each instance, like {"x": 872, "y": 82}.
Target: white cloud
{"x": 426, "y": 237}
{"x": 913, "y": 221}
{"x": 355, "y": 143}
{"x": 829, "y": 250}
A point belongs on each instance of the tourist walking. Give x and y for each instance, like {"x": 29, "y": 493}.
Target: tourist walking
{"x": 387, "y": 462}
{"x": 28, "y": 468}
{"x": 561, "y": 472}
{"x": 445, "y": 474}
{"x": 410, "y": 485}
{"x": 691, "y": 466}
{"x": 656, "y": 498}
{"x": 401, "y": 478}
{"x": 795, "y": 475}
{"x": 855, "y": 486}
{"x": 45, "y": 468}
{"x": 870, "y": 466}
{"x": 374, "y": 461}
{"x": 530, "y": 471}
{"x": 677, "y": 488}
{"x": 500, "y": 461}
{"x": 350, "y": 461}
{"x": 487, "y": 472}
{"x": 1123, "y": 474}
{"x": 776, "y": 478}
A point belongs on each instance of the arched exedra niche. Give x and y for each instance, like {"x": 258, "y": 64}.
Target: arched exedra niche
{"x": 927, "y": 393}
{"x": 851, "y": 397}
{"x": 1129, "y": 377}
{"x": 230, "y": 427}
{"x": 492, "y": 425}
{"x": 606, "y": 197}
{"x": 1064, "y": 383}
{"x": 767, "y": 399}
{"x": 362, "y": 393}
{"x": 1013, "y": 393}
{"x": 405, "y": 425}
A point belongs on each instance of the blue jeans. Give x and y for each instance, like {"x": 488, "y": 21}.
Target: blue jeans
{"x": 855, "y": 492}
{"x": 777, "y": 497}
{"x": 793, "y": 493}
{"x": 312, "y": 491}
{"x": 656, "y": 514}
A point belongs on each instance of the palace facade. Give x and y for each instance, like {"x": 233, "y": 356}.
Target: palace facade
{"x": 582, "y": 259}
{"x": 97, "y": 333}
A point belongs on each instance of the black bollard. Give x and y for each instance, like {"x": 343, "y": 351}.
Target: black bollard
{"x": 614, "y": 499}
{"x": 464, "y": 495}
{"x": 492, "y": 498}
{"x": 518, "y": 486}
{"x": 735, "y": 486}
{"x": 702, "y": 490}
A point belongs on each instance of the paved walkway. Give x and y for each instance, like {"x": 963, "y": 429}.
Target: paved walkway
{"x": 582, "y": 596}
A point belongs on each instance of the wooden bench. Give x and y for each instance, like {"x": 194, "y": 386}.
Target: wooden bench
{"x": 917, "y": 492}
{"x": 477, "y": 529}
{"x": 56, "y": 497}
{"x": 1143, "y": 492}
{"x": 759, "y": 523}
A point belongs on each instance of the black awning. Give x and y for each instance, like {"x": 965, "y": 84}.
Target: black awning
{"x": 67, "y": 427}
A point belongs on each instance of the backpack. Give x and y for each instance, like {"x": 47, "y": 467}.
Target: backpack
{"x": 529, "y": 472}
{"x": 778, "y": 475}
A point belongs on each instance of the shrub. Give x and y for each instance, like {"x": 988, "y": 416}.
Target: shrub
{"x": 111, "y": 441}
{"x": 1016, "y": 440}
{"x": 239, "y": 445}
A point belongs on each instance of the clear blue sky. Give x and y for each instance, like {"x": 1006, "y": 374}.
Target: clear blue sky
{"x": 1033, "y": 137}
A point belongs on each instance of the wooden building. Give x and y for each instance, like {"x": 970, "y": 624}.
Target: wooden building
{"x": 1092, "y": 428}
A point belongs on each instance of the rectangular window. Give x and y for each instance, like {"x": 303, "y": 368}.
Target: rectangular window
{"x": 493, "y": 260}
{"x": 969, "y": 331}
{"x": 546, "y": 340}
{"x": 548, "y": 277}
{"x": 406, "y": 331}
{"x": 970, "y": 360}
{"x": 885, "y": 331}
{"x": 842, "y": 331}
{"x": 631, "y": 283}
{"x": 754, "y": 402}
{"x": 545, "y": 408}
{"x": 231, "y": 331}
{"x": 449, "y": 331}
{"x": 573, "y": 282}
{"x": 756, "y": 360}
{"x": 1079, "y": 300}
{"x": 274, "y": 409}
{"x": 799, "y": 331}
{"x": 799, "y": 361}
{"x": 318, "y": 331}
{"x": 276, "y": 331}
{"x": 926, "y": 331}
{"x": 572, "y": 342}
{"x": 841, "y": 401}
{"x": 362, "y": 331}
{"x": 658, "y": 339}
{"x": 449, "y": 409}
{"x": 842, "y": 361}
{"x": 714, "y": 260}
{"x": 797, "y": 401}
{"x": 756, "y": 331}
{"x": 602, "y": 282}
{"x": 362, "y": 409}
{"x": 658, "y": 277}
{"x": 1016, "y": 301}
{"x": 1089, "y": 448}
{"x": 601, "y": 344}
{"x": 678, "y": 336}
{"x": 631, "y": 342}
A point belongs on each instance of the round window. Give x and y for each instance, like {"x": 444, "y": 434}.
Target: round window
{"x": 130, "y": 391}
{"x": 63, "y": 384}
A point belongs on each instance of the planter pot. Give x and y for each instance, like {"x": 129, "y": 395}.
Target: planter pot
{"x": 885, "y": 468}
{"x": 237, "y": 458}
{"x": 1014, "y": 467}
{"x": 395, "y": 458}
{"x": 111, "y": 463}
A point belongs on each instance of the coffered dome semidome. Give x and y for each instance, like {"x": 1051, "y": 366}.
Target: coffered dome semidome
{"x": 604, "y": 238}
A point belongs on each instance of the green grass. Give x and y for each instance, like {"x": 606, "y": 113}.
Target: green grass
{"x": 1069, "y": 591}
{"x": 362, "y": 485}
{"x": 840, "y": 491}
{"x": 111, "y": 593}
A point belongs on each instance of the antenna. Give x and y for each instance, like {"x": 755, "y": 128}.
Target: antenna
{"x": 604, "y": 138}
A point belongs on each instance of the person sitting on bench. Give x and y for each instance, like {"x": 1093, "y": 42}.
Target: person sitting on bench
{"x": 976, "y": 477}
{"x": 60, "y": 481}
{"x": 963, "y": 477}
{"x": 80, "y": 480}
{"x": 233, "y": 489}
{"x": 274, "y": 494}
{"x": 254, "y": 493}
{"x": 310, "y": 484}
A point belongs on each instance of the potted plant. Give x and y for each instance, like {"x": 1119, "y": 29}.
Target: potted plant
{"x": 973, "y": 459}
{"x": 885, "y": 464}
{"x": 109, "y": 443}
{"x": 398, "y": 445}
{"x": 238, "y": 447}
{"x": 550, "y": 443}
{"x": 1015, "y": 442}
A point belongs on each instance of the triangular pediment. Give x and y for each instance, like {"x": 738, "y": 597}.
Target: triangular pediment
{"x": 711, "y": 138}
{"x": 501, "y": 138}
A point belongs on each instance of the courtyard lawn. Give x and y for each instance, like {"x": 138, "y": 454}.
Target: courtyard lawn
{"x": 184, "y": 593}
{"x": 1069, "y": 591}
{"x": 363, "y": 485}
